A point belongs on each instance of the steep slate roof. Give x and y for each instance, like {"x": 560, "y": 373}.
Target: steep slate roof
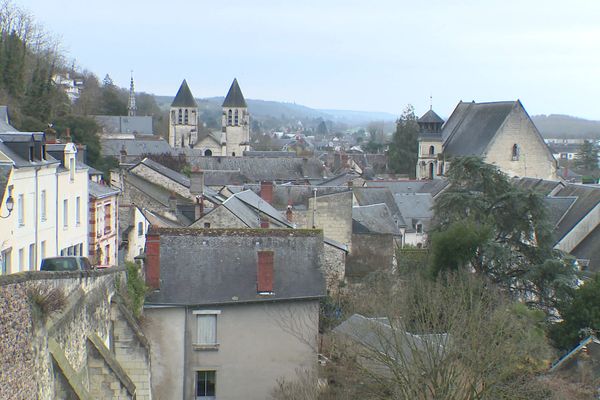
{"x": 589, "y": 249}
{"x": 5, "y": 125}
{"x": 433, "y": 186}
{"x": 234, "y": 97}
{"x": 184, "y": 97}
{"x": 259, "y": 169}
{"x": 472, "y": 126}
{"x": 253, "y": 200}
{"x": 135, "y": 147}
{"x": 369, "y": 196}
{"x": 218, "y": 266}
{"x": 376, "y": 218}
{"x": 587, "y": 198}
{"x": 125, "y": 124}
{"x": 542, "y": 186}
{"x": 376, "y": 334}
{"x": 161, "y": 169}
{"x": 415, "y": 207}
{"x": 99, "y": 191}
{"x": 430, "y": 117}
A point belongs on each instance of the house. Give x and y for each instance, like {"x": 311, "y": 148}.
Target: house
{"x": 133, "y": 226}
{"x": 232, "y": 310}
{"x": 103, "y": 224}
{"x": 48, "y": 192}
{"x": 501, "y": 133}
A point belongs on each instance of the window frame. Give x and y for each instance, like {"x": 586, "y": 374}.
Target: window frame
{"x": 199, "y": 314}
{"x": 205, "y": 395}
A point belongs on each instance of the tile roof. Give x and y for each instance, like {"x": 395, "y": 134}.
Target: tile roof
{"x": 430, "y": 117}
{"x": 234, "y": 97}
{"x": 472, "y": 126}
{"x": 184, "y": 97}
{"x": 218, "y": 266}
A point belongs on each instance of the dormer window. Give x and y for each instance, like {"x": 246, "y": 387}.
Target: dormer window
{"x": 515, "y": 152}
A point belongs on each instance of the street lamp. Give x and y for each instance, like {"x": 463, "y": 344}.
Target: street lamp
{"x": 10, "y": 204}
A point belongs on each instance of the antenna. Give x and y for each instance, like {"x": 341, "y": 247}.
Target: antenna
{"x": 430, "y": 102}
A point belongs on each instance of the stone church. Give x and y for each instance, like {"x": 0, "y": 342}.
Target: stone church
{"x": 501, "y": 133}
{"x": 234, "y": 137}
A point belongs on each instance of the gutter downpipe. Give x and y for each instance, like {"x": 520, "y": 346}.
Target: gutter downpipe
{"x": 35, "y": 215}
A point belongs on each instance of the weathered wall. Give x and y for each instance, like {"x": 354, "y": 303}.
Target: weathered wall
{"x": 33, "y": 342}
{"x": 334, "y": 267}
{"x": 220, "y": 217}
{"x": 535, "y": 159}
{"x": 370, "y": 252}
{"x": 159, "y": 179}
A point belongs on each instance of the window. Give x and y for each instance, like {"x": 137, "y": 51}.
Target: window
{"x": 107, "y": 217}
{"x": 32, "y": 257}
{"x": 206, "y": 329}
{"x": 205, "y": 384}
{"x": 6, "y": 261}
{"x": 419, "y": 227}
{"x": 107, "y": 255}
{"x": 72, "y": 168}
{"x": 30, "y": 153}
{"x": 65, "y": 213}
{"x": 179, "y": 117}
{"x": 431, "y": 150}
{"x": 233, "y": 154}
{"x": 43, "y": 249}
{"x": 207, "y": 152}
{"x": 78, "y": 211}
{"x": 236, "y": 119}
{"x": 21, "y": 209}
{"x": 140, "y": 228}
{"x": 229, "y": 117}
{"x": 21, "y": 259}
{"x": 515, "y": 152}
{"x": 99, "y": 221}
{"x": 43, "y": 205}
{"x": 207, "y": 225}
{"x": 186, "y": 117}
{"x": 173, "y": 116}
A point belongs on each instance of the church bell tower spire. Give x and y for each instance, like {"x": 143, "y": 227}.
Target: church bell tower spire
{"x": 131, "y": 108}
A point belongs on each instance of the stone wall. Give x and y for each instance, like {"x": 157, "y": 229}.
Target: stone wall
{"x": 44, "y": 350}
{"x": 370, "y": 252}
{"x": 334, "y": 267}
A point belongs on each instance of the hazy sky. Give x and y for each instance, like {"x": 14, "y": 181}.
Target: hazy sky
{"x": 361, "y": 55}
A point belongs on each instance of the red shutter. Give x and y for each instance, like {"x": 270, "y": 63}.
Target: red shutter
{"x": 265, "y": 272}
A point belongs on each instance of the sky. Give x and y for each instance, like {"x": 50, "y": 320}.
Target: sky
{"x": 370, "y": 55}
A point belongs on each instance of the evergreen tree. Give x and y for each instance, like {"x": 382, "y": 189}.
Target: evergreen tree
{"x": 587, "y": 157}
{"x": 404, "y": 149}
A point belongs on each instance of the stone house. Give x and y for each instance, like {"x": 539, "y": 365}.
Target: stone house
{"x": 49, "y": 192}
{"x": 501, "y": 133}
{"x": 103, "y": 224}
{"x": 232, "y": 310}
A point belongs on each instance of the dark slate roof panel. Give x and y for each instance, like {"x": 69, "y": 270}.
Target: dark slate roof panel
{"x": 218, "y": 266}
{"x": 376, "y": 218}
{"x": 430, "y": 117}
{"x": 470, "y": 131}
{"x": 184, "y": 97}
{"x": 99, "y": 191}
{"x": 369, "y": 196}
{"x": 557, "y": 207}
{"x": 589, "y": 249}
{"x": 135, "y": 147}
{"x": 168, "y": 172}
{"x": 587, "y": 198}
{"x": 139, "y": 124}
{"x": 253, "y": 200}
{"x": 541, "y": 186}
{"x": 234, "y": 97}
{"x": 433, "y": 187}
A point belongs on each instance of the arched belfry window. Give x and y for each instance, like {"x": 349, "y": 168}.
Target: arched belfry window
{"x": 180, "y": 116}
{"x": 186, "y": 117}
{"x": 515, "y": 152}
{"x": 236, "y": 123}
{"x": 229, "y": 117}
{"x": 431, "y": 150}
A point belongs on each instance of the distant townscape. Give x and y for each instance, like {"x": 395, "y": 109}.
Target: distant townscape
{"x": 175, "y": 247}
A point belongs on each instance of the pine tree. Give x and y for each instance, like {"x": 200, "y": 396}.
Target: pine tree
{"x": 405, "y": 146}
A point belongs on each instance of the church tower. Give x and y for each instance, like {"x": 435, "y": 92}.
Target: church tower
{"x": 236, "y": 122}
{"x": 131, "y": 108}
{"x": 183, "y": 119}
{"x": 429, "y": 164}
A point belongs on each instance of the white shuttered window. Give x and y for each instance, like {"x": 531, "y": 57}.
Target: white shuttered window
{"x": 206, "y": 334}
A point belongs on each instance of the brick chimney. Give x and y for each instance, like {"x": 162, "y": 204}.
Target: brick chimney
{"x": 50, "y": 135}
{"x": 264, "y": 222}
{"x": 264, "y": 272}
{"x": 152, "y": 264}
{"x": 67, "y": 135}
{"x": 266, "y": 191}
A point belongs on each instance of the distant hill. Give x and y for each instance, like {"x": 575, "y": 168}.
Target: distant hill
{"x": 277, "y": 109}
{"x": 566, "y": 126}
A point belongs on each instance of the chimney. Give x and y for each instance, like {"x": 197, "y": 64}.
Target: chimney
{"x": 173, "y": 203}
{"x": 152, "y": 264}
{"x": 264, "y": 222}
{"x": 199, "y": 207}
{"x": 565, "y": 172}
{"x": 50, "y": 135}
{"x": 197, "y": 182}
{"x": 67, "y": 135}
{"x": 123, "y": 155}
{"x": 264, "y": 272}
{"x": 266, "y": 191}
{"x": 289, "y": 214}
